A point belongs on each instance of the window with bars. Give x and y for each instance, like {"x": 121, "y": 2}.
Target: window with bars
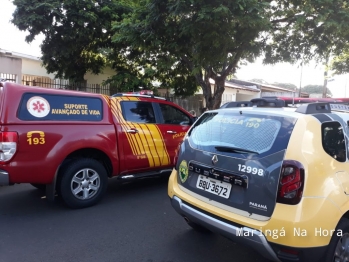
{"x": 8, "y": 77}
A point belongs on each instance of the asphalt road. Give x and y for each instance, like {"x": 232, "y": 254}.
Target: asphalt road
{"x": 135, "y": 222}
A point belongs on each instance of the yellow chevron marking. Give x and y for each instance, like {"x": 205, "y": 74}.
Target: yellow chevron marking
{"x": 166, "y": 158}
{"x": 148, "y": 141}
{"x": 159, "y": 146}
{"x": 116, "y": 110}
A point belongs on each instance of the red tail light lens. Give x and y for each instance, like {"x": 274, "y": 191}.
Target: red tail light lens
{"x": 8, "y": 137}
{"x": 8, "y": 145}
{"x": 291, "y": 183}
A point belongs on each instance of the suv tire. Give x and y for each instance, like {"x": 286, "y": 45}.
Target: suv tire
{"x": 338, "y": 249}
{"x": 82, "y": 183}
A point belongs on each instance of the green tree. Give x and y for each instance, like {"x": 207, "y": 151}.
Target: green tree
{"x": 286, "y": 85}
{"x": 211, "y": 38}
{"x": 315, "y": 89}
{"x": 78, "y": 37}
{"x": 340, "y": 63}
{"x": 77, "y": 33}
{"x": 181, "y": 43}
{"x": 208, "y": 38}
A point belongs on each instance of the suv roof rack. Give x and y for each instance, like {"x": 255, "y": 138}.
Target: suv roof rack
{"x": 307, "y": 107}
{"x": 259, "y": 102}
{"x": 138, "y": 95}
{"x": 322, "y": 107}
{"x": 268, "y": 102}
{"x": 314, "y": 108}
{"x": 237, "y": 104}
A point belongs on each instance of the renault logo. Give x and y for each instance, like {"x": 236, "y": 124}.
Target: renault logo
{"x": 214, "y": 159}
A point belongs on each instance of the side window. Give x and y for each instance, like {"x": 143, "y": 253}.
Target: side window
{"x": 333, "y": 140}
{"x": 138, "y": 111}
{"x": 173, "y": 115}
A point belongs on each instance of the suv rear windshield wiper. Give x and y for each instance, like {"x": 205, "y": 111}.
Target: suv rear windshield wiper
{"x": 234, "y": 149}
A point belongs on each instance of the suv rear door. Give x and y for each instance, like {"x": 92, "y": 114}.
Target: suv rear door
{"x": 234, "y": 158}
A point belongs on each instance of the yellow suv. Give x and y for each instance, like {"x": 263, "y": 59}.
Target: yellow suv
{"x": 273, "y": 178}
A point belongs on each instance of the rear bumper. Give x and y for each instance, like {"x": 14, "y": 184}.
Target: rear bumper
{"x": 248, "y": 236}
{"x": 243, "y": 235}
{"x": 4, "y": 178}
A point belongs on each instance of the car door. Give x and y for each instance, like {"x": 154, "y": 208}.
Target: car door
{"x": 143, "y": 146}
{"x": 174, "y": 125}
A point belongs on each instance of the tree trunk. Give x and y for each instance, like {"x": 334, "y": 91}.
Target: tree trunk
{"x": 218, "y": 92}
{"x": 324, "y": 91}
{"x": 213, "y": 99}
{"x": 213, "y": 96}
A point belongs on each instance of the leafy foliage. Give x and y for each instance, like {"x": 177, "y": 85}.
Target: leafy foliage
{"x": 182, "y": 44}
{"x": 305, "y": 30}
{"x": 207, "y": 38}
{"x": 315, "y": 89}
{"x": 78, "y": 37}
{"x": 211, "y": 38}
{"x": 340, "y": 64}
{"x": 77, "y": 33}
{"x": 286, "y": 85}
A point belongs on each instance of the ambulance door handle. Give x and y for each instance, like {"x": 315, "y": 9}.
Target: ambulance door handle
{"x": 171, "y": 132}
{"x": 132, "y": 130}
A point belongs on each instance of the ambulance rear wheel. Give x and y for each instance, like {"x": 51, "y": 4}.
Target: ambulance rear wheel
{"x": 82, "y": 183}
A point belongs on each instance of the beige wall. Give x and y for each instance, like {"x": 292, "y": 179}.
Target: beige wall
{"x": 232, "y": 94}
{"x": 11, "y": 65}
{"x": 229, "y": 95}
{"x": 241, "y": 96}
{"x": 286, "y": 94}
{"x": 34, "y": 68}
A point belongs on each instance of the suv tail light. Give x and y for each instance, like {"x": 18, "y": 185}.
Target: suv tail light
{"x": 291, "y": 183}
{"x": 8, "y": 145}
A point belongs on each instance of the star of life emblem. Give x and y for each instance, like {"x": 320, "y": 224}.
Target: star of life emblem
{"x": 38, "y": 106}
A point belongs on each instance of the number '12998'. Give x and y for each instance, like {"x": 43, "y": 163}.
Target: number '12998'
{"x": 251, "y": 170}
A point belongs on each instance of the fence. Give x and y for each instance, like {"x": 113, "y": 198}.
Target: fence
{"x": 189, "y": 103}
{"x": 65, "y": 84}
{"x": 194, "y": 102}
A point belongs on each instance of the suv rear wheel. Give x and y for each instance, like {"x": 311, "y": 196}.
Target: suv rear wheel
{"x": 338, "y": 249}
{"x": 82, "y": 183}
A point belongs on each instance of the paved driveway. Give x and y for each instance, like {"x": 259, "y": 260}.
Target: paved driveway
{"x": 135, "y": 222}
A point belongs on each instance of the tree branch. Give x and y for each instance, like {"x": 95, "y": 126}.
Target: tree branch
{"x": 188, "y": 62}
{"x": 290, "y": 19}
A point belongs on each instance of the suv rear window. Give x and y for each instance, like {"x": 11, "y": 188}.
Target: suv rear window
{"x": 245, "y": 132}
